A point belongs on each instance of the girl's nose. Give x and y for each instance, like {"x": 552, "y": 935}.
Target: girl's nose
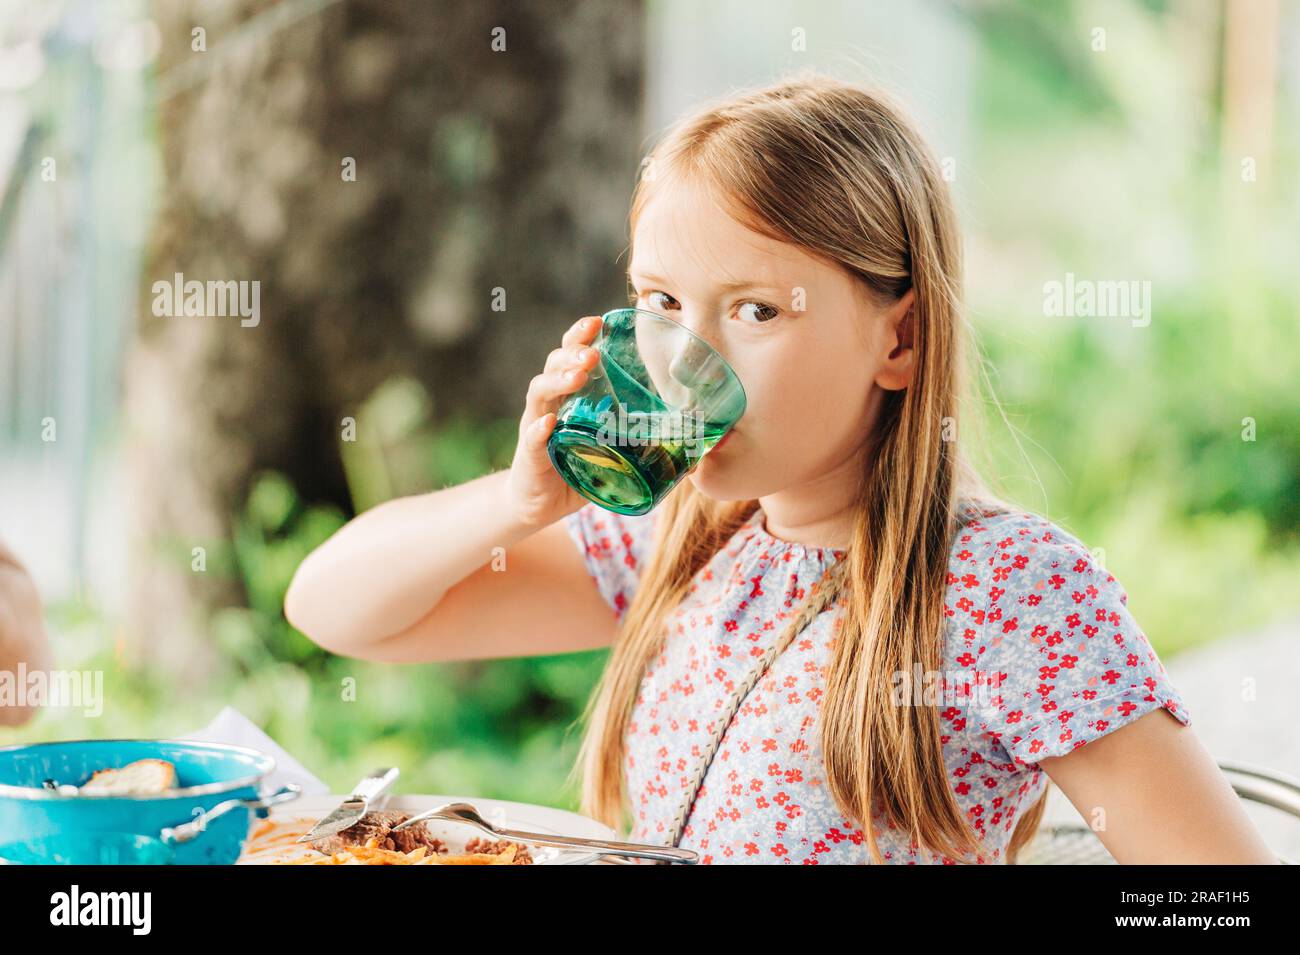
{"x": 689, "y": 362}
{"x": 695, "y": 364}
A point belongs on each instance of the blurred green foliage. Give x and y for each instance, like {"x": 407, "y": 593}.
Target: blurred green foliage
{"x": 496, "y": 728}
{"x": 500, "y": 728}
{"x": 1172, "y": 447}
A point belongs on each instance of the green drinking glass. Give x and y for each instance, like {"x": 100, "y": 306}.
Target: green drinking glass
{"x": 659, "y": 398}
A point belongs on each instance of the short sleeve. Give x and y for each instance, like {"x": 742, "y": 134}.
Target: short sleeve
{"x": 1064, "y": 659}
{"x": 615, "y": 548}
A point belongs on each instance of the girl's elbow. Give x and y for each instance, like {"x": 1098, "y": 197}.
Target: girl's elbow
{"x": 318, "y": 609}
{"x": 302, "y": 608}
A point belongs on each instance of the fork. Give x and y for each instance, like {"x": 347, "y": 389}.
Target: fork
{"x": 464, "y": 812}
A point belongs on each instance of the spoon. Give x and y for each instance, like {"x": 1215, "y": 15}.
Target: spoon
{"x": 464, "y": 812}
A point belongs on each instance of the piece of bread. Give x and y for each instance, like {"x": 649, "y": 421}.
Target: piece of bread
{"x": 144, "y": 777}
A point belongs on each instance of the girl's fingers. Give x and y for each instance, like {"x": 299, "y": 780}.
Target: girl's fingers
{"x": 582, "y": 331}
{"x": 533, "y": 477}
{"x": 565, "y": 372}
{"x": 547, "y": 388}
{"x": 573, "y": 356}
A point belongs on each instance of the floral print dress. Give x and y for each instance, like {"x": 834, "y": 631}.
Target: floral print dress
{"x": 1032, "y": 623}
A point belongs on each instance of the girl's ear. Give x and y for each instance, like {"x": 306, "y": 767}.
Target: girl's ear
{"x": 899, "y": 335}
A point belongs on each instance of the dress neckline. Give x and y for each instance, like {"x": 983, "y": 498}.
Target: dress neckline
{"x": 757, "y": 530}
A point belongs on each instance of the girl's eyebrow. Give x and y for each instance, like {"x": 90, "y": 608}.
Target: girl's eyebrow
{"x": 728, "y": 287}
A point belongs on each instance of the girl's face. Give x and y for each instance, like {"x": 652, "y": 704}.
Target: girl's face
{"x": 812, "y": 351}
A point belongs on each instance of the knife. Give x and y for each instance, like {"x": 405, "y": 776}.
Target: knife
{"x": 371, "y": 789}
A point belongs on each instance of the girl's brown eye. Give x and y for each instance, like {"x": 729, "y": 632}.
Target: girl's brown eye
{"x": 665, "y": 295}
{"x": 761, "y": 313}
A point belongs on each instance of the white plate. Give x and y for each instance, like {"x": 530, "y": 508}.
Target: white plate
{"x": 511, "y": 815}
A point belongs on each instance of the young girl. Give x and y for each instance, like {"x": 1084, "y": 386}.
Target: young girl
{"x": 789, "y": 626}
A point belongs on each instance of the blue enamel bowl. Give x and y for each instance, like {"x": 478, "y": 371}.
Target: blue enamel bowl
{"x": 66, "y": 827}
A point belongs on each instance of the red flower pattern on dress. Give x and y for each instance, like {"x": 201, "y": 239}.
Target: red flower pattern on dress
{"x": 1030, "y": 620}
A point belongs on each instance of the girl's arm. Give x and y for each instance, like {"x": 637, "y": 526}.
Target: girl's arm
{"x": 1154, "y": 795}
{"x": 22, "y": 632}
{"x": 484, "y": 569}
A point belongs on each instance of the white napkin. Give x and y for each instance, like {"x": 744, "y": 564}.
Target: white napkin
{"x": 233, "y": 727}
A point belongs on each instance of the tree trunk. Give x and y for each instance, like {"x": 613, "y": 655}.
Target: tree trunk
{"x": 476, "y": 169}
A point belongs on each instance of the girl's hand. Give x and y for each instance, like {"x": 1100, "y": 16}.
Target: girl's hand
{"x": 535, "y": 490}
{"x": 22, "y": 633}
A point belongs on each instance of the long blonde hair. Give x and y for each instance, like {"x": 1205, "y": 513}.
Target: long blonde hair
{"x": 839, "y": 171}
